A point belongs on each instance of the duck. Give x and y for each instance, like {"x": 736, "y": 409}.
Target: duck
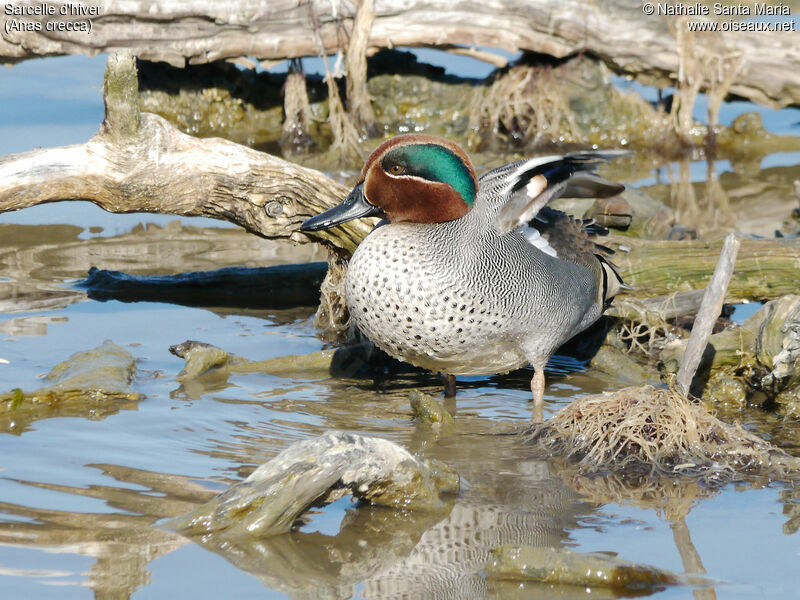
{"x": 469, "y": 275}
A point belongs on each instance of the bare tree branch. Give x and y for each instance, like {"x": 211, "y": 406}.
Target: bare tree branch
{"x": 141, "y": 163}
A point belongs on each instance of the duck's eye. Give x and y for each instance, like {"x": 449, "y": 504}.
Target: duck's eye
{"x": 396, "y": 169}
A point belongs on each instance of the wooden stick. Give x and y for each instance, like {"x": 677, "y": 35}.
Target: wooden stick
{"x": 710, "y": 309}
{"x": 358, "y": 101}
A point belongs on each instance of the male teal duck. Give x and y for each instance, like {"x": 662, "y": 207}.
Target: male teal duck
{"x": 474, "y": 276}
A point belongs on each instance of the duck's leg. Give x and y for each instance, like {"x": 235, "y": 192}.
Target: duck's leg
{"x": 537, "y": 388}
{"x": 449, "y": 382}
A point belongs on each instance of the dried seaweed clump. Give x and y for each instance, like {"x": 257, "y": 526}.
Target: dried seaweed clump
{"x": 526, "y": 104}
{"x": 642, "y": 332}
{"x": 332, "y": 317}
{"x": 644, "y": 430}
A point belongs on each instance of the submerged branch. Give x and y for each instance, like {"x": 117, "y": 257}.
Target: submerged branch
{"x": 278, "y": 286}
{"x": 316, "y": 472}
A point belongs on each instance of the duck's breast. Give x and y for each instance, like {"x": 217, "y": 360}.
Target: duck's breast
{"x": 412, "y": 295}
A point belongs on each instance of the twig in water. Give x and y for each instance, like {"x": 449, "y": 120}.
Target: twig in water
{"x": 710, "y": 308}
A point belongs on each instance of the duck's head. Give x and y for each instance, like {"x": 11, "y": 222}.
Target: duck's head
{"x": 411, "y": 178}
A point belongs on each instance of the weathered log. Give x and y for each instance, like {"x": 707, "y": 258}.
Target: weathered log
{"x": 765, "y": 268}
{"x": 667, "y": 307}
{"x": 616, "y": 31}
{"x": 279, "y": 286}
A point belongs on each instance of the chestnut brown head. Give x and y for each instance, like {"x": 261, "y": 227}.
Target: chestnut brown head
{"x": 408, "y": 179}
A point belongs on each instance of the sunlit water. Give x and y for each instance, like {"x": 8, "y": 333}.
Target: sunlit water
{"x": 79, "y": 497}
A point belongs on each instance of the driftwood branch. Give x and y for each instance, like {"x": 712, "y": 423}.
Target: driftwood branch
{"x": 141, "y": 163}
{"x": 709, "y": 311}
{"x": 316, "y": 472}
{"x": 616, "y": 31}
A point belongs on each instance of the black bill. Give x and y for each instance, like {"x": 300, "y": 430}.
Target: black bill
{"x": 354, "y": 206}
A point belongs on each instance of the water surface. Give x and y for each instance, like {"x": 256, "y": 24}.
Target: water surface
{"x": 79, "y": 496}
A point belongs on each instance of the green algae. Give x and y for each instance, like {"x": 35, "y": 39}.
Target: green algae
{"x": 565, "y": 567}
{"x": 427, "y": 410}
{"x": 762, "y": 355}
{"x": 91, "y": 384}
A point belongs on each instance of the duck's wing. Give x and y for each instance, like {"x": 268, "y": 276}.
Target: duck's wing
{"x": 529, "y": 185}
{"x": 575, "y": 240}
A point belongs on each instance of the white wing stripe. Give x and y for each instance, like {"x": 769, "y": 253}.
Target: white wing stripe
{"x": 527, "y": 166}
{"x": 537, "y": 241}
